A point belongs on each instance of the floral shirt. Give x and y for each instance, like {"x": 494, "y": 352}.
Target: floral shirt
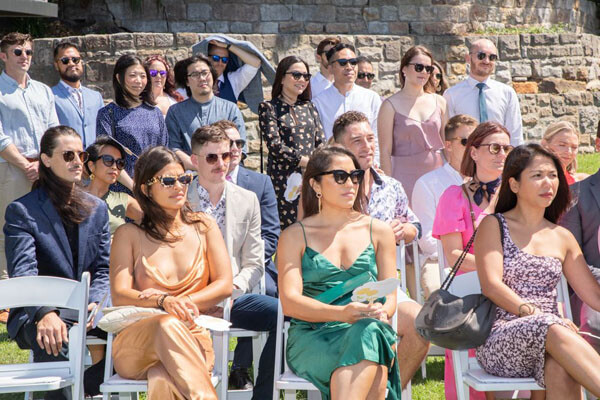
{"x": 388, "y": 201}
{"x": 217, "y": 211}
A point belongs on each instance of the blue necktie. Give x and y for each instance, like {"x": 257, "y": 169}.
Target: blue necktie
{"x": 482, "y": 106}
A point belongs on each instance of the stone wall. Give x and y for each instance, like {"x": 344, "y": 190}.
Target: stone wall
{"x": 400, "y": 17}
{"x": 557, "y": 76}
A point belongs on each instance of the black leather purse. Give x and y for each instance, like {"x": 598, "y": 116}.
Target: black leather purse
{"x": 457, "y": 323}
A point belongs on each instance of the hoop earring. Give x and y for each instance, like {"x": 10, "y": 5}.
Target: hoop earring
{"x": 92, "y": 176}
{"x": 319, "y": 200}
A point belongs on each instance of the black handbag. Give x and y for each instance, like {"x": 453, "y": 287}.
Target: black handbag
{"x": 457, "y": 323}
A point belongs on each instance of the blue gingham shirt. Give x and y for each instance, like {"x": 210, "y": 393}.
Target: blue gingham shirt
{"x": 388, "y": 201}
{"x": 26, "y": 113}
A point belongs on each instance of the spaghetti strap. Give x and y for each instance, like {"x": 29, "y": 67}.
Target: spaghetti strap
{"x": 303, "y": 233}
{"x": 371, "y": 230}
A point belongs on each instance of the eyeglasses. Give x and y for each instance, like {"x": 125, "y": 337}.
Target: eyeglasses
{"x": 494, "y": 148}
{"x": 109, "y": 161}
{"x": 212, "y": 158}
{"x": 463, "y": 141}
{"x": 202, "y": 74}
{"x": 69, "y": 155}
{"x": 344, "y": 61}
{"x": 19, "y": 52}
{"x": 154, "y": 72}
{"x": 239, "y": 143}
{"x": 438, "y": 77}
{"x": 363, "y": 75}
{"x": 420, "y": 67}
{"x": 65, "y": 60}
{"x": 169, "y": 181}
{"x": 217, "y": 58}
{"x": 492, "y": 57}
{"x": 340, "y": 176}
{"x": 297, "y": 75}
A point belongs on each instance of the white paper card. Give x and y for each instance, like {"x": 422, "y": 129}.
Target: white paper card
{"x": 212, "y": 323}
{"x": 371, "y": 291}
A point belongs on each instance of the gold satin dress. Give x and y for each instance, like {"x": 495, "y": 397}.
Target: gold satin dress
{"x": 177, "y": 361}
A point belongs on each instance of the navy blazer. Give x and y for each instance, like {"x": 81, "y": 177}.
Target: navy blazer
{"x": 36, "y": 244}
{"x": 262, "y": 186}
{"x": 69, "y": 113}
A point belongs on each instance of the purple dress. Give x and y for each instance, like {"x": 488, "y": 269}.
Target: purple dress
{"x": 516, "y": 347}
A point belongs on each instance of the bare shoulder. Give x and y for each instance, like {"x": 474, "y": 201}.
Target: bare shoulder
{"x": 125, "y": 233}
{"x": 564, "y": 236}
{"x": 381, "y": 230}
{"x": 440, "y": 100}
{"x": 292, "y": 234}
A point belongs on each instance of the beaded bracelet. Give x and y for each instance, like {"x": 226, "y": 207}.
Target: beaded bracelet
{"x": 161, "y": 301}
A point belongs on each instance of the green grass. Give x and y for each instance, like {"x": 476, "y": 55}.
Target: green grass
{"x": 588, "y": 163}
{"x": 515, "y": 30}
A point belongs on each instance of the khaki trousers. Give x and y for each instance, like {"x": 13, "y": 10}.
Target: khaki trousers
{"x": 430, "y": 277}
{"x": 13, "y": 184}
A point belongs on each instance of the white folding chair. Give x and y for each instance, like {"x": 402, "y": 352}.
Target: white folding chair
{"x": 51, "y": 292}
{"x": 290, "y": 382}
{"x": 468, "y": 372}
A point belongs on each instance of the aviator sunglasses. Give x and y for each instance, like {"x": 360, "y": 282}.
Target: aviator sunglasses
{"x": 340, "y": 176}
{"x": 363, "y": 75}
{"x": 154, "y": 72}
{"x": 239, "y": 143}
{"x": 344, "y": 61}
{"x": 169, "y": 181}
{"x": 65, "y": 60}
{"x": 212, "y": 158}
{"x": 481, "y": 56}
{"x": 420, "y": 67}
{"x": 297, "y": 75}
{"x": 217, "y": 58}
{"x": 19, "y": 52}
{"x": 69, "y": 155}
{"x": 109, "y": 161}
{"x": 494, "y": 148}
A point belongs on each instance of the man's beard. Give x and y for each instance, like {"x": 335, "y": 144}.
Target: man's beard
{"x": 73, "y": 78}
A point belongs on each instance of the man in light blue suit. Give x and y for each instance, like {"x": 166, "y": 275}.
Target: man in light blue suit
{"x": 76, "y": 105}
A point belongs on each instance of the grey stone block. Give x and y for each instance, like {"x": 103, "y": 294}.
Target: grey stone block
{"x": 199, "y": 11}
{"x": 217, "y": 26}
{"x": 275, "y": 12}
{"x": 378, "y": 27}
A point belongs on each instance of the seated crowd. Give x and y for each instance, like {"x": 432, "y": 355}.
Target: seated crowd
{"x": 162, "y": 212}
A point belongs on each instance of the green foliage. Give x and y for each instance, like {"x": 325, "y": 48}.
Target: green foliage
{"x": 515, "y": 30}
{"x": 588, "y": 163}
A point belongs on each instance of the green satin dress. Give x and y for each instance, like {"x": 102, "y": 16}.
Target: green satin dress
{"x": 315, "y": 350}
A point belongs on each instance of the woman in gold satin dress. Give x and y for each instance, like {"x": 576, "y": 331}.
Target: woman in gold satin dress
{"x": 175, "y": 260}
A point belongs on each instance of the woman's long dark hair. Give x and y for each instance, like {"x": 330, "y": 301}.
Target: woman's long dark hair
{"x": 282, "y": 68}
{"x": 519, "y": 159}
{"x": 319, "y": 162}
{"x": 71, "y": 203}
{"x": 443, "y": 86}
{"x": 407, "y": 58}
{"x": 483, "y": 130}
{"x": 122, "y": 96}
{"x": 170, "y": 88}
{"x": 156, "y": 222}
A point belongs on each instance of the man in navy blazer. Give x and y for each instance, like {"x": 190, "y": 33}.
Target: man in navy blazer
{"x": 76, "y": 105}
{"x": 262, "y": 186}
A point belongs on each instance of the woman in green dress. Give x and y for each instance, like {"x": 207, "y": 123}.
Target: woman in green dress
{"x": 106, "y": 161}
{"x": 346, "y": 349}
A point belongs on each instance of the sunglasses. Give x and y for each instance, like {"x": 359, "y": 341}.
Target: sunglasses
{"x": 197, "y": 75}
{"x": 65, "y": 60}
{"x": 340, "y": 176}
{"x": 297, "y": 75}
{"x": 19, "y": 52}
{"x": 212, "y": 158}
{"x": 494, "y": 148}
{"x": 492, "y": 57}
{"x": 438, "y": 77}
{"x": 69, "y": 155}
{"x": 363, "y": 75}
{"x": 217, "y": 58}
{"x": 463, "y": 141}
{"x": 154, "y": 72}
{"x": 344, "y": 61}
{"x": 109, "y": 161}
{"x": 169, "y": 181}
{"x": 239, "y": 143}
{"x": 420, "y": 67}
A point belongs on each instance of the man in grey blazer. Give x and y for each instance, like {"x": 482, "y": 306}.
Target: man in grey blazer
{"x": 583, "y": 220}
{"x": 237, "y": 213}
{"x": 76, "y": 105}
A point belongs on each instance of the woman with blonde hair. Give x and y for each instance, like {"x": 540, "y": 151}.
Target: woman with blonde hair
{"x": 562, "y": 139}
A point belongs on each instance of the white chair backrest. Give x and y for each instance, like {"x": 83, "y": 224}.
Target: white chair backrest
{"x": 464, "y": 284}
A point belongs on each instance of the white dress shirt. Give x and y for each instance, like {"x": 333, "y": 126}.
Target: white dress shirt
{"x": 425, "y": 198}
{"x": 318, "y": 83}
{"x": 331, "y": 104}
{"x": 232, "y": 177}
{"x": 501, "y": 100}
{"x": 240, "y": 78}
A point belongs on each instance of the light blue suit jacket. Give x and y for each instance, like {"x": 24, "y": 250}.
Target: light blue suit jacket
{"x": 69, "y": 113}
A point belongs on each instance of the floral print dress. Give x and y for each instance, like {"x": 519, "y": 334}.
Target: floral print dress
{"x": 516, "y": 347}
{"x": 291, "y": 131}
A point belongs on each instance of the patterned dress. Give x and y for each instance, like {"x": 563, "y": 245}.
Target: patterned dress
{"x": 516, "y": 347}
{"x": 291, "y": 131}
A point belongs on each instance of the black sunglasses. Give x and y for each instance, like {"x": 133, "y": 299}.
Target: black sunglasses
{"x": 363, "y": 75}
{"x": 19, "y": 52}
{"x": 463, "y": 141}
{"x": 109, "y": 161}
{"x": 481, "y": 56}
{"x": 297, "y": 75}
{"x": 212, "y": 158}
{"x": 217, "y": 58}
{"x": 154, "y": 72}
{"x": 169, "y": 181}
{"x": 65, "y": 60}
{"x": 494, "y": 148}
{"x": 340, "y": 176}
{"x": 420, "y": 67}
{"x": 239, "y": 143}
{"x": 344, "y": 61}
{"x": 69, "y": 155}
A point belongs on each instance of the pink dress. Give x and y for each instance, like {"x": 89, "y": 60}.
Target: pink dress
{"x": 454, "y": 215}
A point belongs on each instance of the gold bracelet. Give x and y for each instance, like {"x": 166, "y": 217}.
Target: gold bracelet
{"x": 530, "y": 309}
